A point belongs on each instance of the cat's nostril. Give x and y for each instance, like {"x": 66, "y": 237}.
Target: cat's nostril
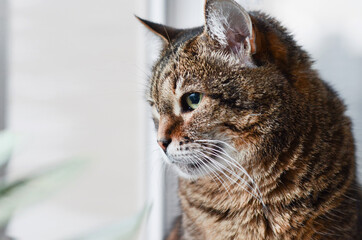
{"x": 164, "y": 142}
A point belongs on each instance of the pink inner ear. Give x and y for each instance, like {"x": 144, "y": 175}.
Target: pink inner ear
{"x": 230, "y": 25}
{"x": 235, "y": 40}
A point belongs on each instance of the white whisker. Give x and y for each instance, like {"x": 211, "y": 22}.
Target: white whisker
{"x": 233, "y": 173}
{"x": 231, "y": 179}
{"x": 220, "y": 179}
{"x": 233, "y": 161}
{"x": 217, "y": 151}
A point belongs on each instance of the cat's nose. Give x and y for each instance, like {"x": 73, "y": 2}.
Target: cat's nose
{"x": 164, "y": 142}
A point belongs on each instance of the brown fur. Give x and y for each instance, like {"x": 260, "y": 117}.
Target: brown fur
{"x": 289, "y": 124}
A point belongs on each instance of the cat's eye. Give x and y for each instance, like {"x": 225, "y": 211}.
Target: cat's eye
{"x": 191, "y": 101}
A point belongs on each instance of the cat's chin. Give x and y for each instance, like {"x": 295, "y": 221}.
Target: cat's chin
{"x": 189, "y": 175}
{"x": 190, "y": 171}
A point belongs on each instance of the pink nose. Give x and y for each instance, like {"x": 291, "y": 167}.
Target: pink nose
{"x": 164, "y": 143}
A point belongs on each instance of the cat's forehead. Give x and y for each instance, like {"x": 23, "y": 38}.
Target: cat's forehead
{"x": 176, "y": 69}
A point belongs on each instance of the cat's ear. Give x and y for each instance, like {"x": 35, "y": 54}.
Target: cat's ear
{"x": 230, "y": 25}
{"x": 168, "y": 34}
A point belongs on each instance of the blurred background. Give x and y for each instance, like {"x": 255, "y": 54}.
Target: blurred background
{"x": 72, "y": 79}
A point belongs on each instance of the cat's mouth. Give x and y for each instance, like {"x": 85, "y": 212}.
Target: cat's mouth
{"x": 197, "y": 164}
{"x": 193, "y": 165}
{"x": 193, "y": 170}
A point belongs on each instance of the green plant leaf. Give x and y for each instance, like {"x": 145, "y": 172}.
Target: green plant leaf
{"x": 7, "y": 144}
{"x": 126, "y": 229}
{"x": 22, "y": 192}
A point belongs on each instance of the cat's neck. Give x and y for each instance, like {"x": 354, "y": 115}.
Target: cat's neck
{"x": 207, "y": 202}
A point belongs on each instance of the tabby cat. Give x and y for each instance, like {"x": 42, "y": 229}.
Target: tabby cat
{"x": 261, "y": 144}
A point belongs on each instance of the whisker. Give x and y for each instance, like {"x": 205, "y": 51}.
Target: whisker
{"x": 233, "y": 161}
{"x": 205, "y": 167}
{"x": 231, "y": 179}
{"x": 233, "y": 173}
{"x": 194, "y": 162}
{"x": 220, "y": 179}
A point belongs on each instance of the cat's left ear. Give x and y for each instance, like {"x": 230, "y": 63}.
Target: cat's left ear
{"x": 168, "y": 34}
{"x": 230, "y": 25}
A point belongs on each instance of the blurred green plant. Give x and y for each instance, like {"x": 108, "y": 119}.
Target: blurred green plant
{"x": 21, "y": 192}
{"x": 7, "y": 144}
{"x": 18, "y": 194}
{"x": 127, "y": 229}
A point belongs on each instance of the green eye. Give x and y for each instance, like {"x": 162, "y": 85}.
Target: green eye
{"x": 192, "y": 101}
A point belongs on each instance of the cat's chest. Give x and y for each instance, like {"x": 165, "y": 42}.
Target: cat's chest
{"x": 199, "y": 225}
{"x": 202, "y": 222}
{"x": 230, "y": 217}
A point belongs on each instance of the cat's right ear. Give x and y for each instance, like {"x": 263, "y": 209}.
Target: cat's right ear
{"x": 227, "y": 23}
{"x": 168, "y": 34}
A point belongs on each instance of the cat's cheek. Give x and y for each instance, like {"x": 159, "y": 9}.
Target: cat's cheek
{"x": 188, "y": 117}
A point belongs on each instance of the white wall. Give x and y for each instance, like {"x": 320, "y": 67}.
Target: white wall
{"x": 76, "y": 88}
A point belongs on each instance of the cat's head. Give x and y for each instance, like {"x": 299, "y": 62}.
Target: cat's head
{"x": 219, "y": 96}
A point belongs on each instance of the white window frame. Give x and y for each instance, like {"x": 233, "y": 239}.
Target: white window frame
{"x": 162, "y": 182}
{"x": 156, "y": 11}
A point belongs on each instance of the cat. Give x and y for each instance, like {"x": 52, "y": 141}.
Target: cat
{"x": 261, "y": 144}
